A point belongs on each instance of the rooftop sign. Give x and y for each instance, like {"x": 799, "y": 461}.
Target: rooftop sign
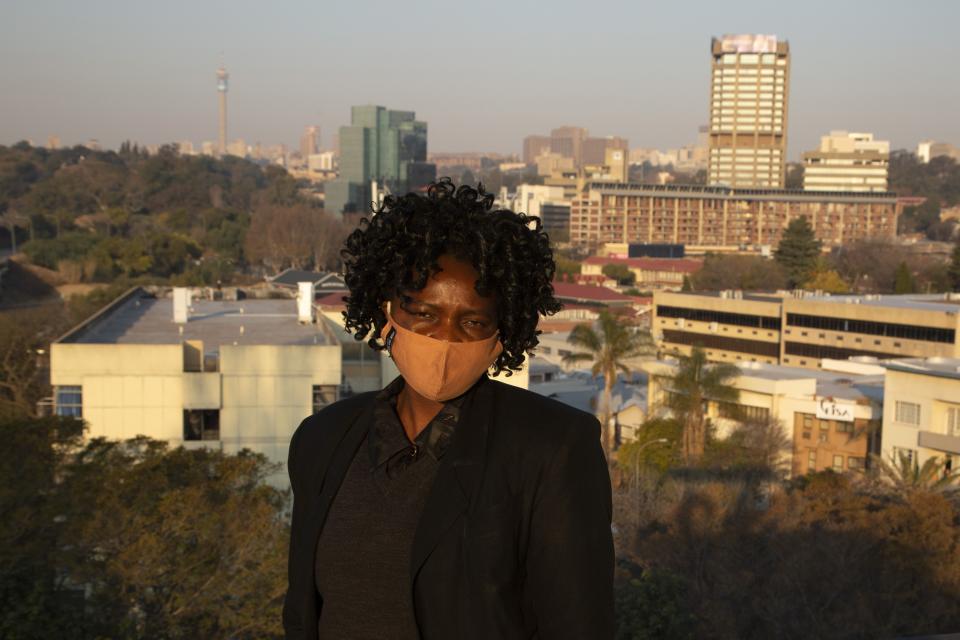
{"x": 748, "y": 43}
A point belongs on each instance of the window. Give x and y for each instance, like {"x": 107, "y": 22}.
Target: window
{"x": 323, "y": 394}
{"x": 855, "y": 463}
{"x": 838, "y": 463}
{"x": 202, "y": 424}
{"x": 953, "y": 421}
{"x": 899, "y": 452}
{"x": 69, "y": 401}
{"x": 806, "y": 435}
{"x": 812, "y": 461}
{"x": 844, "y": 427}
{"x": 907, "y": 412}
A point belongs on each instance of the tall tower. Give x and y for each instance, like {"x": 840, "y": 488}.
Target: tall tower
{"x": 749, "y": 91}
{"x": 222, "y": 92}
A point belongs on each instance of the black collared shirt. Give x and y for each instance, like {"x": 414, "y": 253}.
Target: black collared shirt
{"x": 362, "y": 569}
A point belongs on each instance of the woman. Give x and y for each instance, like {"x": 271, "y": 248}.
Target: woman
{"x": 449, "y": 505}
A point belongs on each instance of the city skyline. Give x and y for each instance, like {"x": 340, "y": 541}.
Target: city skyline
{"x": 98, "y": 72}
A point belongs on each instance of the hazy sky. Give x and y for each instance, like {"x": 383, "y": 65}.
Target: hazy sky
{"x": 481, "y": 74}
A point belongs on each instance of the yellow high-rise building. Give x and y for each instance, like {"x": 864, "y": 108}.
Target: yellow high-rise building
{"x": 749, "y": 92}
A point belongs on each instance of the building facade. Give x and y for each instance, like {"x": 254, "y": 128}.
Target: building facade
{"x": 381, "y": 145}
{"x": 805, "y": 330}
{"x": 712, "y": 218}
{"x": 847, "y": 162}
{"x": 749, "y": 93}
{"x": 228, "y": 374}
{"x": 649, "y": 273}
{"x": 829, "y": 419}
{"x": 921, "y": 412}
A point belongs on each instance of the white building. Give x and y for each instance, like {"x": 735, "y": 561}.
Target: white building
{"x": 830, "y": 418}
{"x": 231, "y": 375}
{"x": 921, "y": 411}
{"x": 847, "y": 162}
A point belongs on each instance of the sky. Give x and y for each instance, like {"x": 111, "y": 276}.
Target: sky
{"x": 483, "y": 75}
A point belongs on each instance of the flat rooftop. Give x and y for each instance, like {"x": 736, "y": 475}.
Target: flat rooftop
{"x": 940, "y": 367}
{"x": 925, "y": 302}
{"x": 138, "y": 317}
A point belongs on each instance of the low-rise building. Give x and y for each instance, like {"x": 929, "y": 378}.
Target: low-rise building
{"x": 921, "y": 410}
{"x": 225, "y": 374}
{"x": 829, "y": 419}
{"x": 649, "y": 273}
{"x": 805, "y": 328}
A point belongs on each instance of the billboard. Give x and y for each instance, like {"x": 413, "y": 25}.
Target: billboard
{"x": 748, "y": 43}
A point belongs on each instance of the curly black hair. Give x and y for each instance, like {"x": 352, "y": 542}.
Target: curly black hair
{"x": 397, "y": 248}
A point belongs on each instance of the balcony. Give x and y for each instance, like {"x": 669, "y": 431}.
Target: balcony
{"x": 939, "y": 441}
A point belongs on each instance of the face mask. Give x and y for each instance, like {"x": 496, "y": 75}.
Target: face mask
{"x": 438, "y": 369}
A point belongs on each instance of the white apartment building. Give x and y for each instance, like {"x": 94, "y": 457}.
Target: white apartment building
{"x": 847, "y": 162}
{"x": 921, "y": 410}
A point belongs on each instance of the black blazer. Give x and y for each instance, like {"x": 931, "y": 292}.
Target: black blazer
{"x": 514, "y": 540}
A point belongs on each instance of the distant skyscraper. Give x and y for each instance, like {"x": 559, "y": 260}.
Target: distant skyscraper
{"x": 568, "y": 142}
{"x": 380, "y": 145}
{"x": 310, "y": 142}
{"x": 847, "y": 162}
{"x": 595, "y": 149}
{"x": 534, "y": 146}
{"x": 53, "y": 142}
{"x": 748, "y": 111}
{"x": 222, "y": 93}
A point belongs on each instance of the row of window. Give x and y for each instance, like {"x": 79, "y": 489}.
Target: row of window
{"x": 888, "y": 329}
{"x": 909, "y": 413}
{"x": 722, "y": 317}
{"x": 724, "y": 343}
{"x": 198, "y": 424}
{"x": 834, "y": 353}
{"x": 854, "y": 463}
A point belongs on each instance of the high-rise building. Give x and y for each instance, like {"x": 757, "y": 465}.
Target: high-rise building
{"x": 222, "y": 96}
{"x": 568, "y": 142}
{"x": 595, "y": 149}
{"x": 847, "y": 162}
{"x": 749, "y": 92}
{"x": 534, "y": 146}
{"x": 384, "y": 146}
{"x": 310, "y": 142}
{"x": 53, "y": 142}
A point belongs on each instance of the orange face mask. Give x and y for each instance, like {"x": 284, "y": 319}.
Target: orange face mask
{"x": 438, "y": 369}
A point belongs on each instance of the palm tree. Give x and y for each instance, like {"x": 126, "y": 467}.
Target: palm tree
{"x": 689, "y": 390}
{"x": 902, "y": 474}
{"x": 608, "y": 347}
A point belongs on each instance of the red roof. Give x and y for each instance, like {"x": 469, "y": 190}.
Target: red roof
{"x": 334, "y": 299}
{"x": 685, "y": 265}
{"x": 572, "y": 291}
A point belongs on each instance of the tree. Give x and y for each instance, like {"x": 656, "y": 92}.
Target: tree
{"x": 903, "y": 280}
{"x": 902, "y": 474}
{"x": 826, "y": 279}
{"x": 689, "y": 390}
{"x": 798, "y": 251}
{"x": 747, "y": 273}
{"x": 607, "y": 347}
{"x": 132, "y": 539}
{"x": 620, "y": 272}
{"x": 794, "y": 177}
{"x": 953, "y": 272}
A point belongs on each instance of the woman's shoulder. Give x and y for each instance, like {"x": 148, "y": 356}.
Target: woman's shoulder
{"x": 324, "y": 423}
{"x": 538, "y": 416}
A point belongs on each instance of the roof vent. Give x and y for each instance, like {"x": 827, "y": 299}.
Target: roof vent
{"x": 181, "y": 304}
{"x": 305, "y": 295}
